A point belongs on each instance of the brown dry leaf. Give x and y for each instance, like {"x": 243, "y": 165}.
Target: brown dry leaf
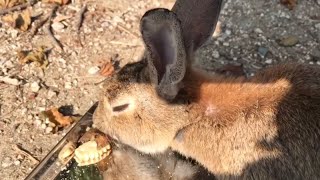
{"x": 57, "y": 118}
{"x": 232, "y": 70}
{"x": 37, "y": 56}
{"x": 19, "y": 20}
{"x": 107, "y": 69}
{"x": 10, "y": 3}
{"x": 291, "y": 4}
{"x": 60, "y": 2}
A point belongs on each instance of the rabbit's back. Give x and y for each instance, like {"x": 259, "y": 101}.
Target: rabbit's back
{"x": 297, "y": 121}
{"x": 267, "y": 126}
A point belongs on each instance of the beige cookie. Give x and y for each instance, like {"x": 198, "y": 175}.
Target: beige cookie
{"x": 89, "y": 153}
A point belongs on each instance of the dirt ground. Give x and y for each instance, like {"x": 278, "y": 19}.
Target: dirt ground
{"x": 254, "y": 33}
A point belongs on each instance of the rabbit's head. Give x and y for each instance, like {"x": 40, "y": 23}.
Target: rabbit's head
{"x": 142, "y": 104}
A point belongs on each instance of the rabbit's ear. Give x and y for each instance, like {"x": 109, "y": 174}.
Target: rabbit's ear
{"x": 161, "y": 33}
{"x": 198, "y": 20}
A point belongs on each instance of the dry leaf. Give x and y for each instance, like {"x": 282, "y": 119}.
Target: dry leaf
{"x": 57, "y": 118}
{"x": 10, "y": 3}
{"x": 37, "y": 56}
{"x": 107, "y": 69}
{"x": 19, "y": 20}
{"x": 60, "y": 2}
{"x": 291, "y": 4}
{"x": 288, "y": 41}
{"x": 232, "y": 70}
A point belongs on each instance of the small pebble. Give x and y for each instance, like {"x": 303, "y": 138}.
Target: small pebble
{"x": 37, "y": 122}
{"x": 6, "y": 162}
{"x": 29, "y": 117}
{"x": 9, "y": 64}
{"x": 48, "y": 130}
{"x": 63, "y": 61}
{"x": 35, "y": 87}
{"x": 268, "y": 61}
{"x": 105, "y": 24}
{"x": 47, "y": 121}
{"x": 17, "y": 162}
{"x": 225, "y": 44}
{"x": 57, "y": 26}
{"x": 215, "y": 54}
{"x": 317, "y": 26}
{"x": 51, "y": 94}
{"x": 14, "y": 33}
{"x": 228, "y": 32}
{"x": 258, "y": 31}
{"x": 67, "y": 85}
{"x": 43, "y": 126}
{"x": 41, "y": 109}
{"x": 94, "y": 70}
{"x": 75, "y": 82}
{"x": 263, "y": 51}
{"x": 19, "y": 157}
{"x": 51, "y": 124}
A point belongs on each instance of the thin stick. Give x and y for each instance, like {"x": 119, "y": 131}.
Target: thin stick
{"x": 80, "y": 17}
{"x": 49, "y": 32}
{"x": 25, "y": 153}
{"x": 39, "y": 24}
{"x": 14, "y": 8}
{"x": 125, "y": 43}
{"x": 127, "y": 31}
{"x": 4, "y": 116}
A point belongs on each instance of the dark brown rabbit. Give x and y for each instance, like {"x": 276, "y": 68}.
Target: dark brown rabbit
{"x": 263, "y": 127}
{"x": 128, "y": 163}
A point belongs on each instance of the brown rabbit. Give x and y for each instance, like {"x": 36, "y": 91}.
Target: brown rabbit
{"x": 263, "y": 127}
{"x": 128, "y": 163}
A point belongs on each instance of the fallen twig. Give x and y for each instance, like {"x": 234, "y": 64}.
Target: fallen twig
{"x": 14, "y": 8}
{"x": 25, "y": 153}
{"x": 80, "y": 17}
{"x": 11, "y": 81}
{"x": 125, "y": 43}
{"x": 8, "y": 114}
{"x": 49, "y": 32}
{"x": 38, "y": 24}
{"x": 127, "y": 30}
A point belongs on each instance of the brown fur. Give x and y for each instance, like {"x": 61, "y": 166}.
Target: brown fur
{"x": 127, "y": 163}
{"x": 264, "y": 127}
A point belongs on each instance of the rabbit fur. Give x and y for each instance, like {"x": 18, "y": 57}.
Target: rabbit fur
{"x": 128, "y": 163}
{"x": 261, "y": 127}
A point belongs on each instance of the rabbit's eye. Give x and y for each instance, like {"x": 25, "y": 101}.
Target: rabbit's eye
{"x": 120, "y": 108}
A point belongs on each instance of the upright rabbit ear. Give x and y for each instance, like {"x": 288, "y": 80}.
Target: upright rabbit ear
{"x": 198, "y": 20}
{"x": 161, "y": 33}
